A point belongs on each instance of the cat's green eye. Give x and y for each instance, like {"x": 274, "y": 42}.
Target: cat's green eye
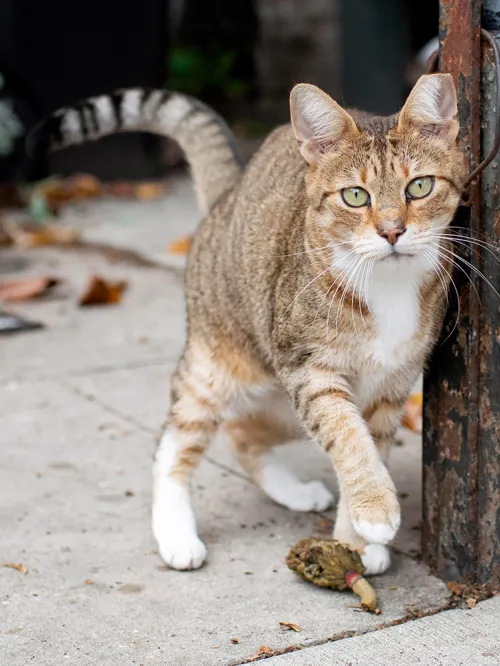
{"x": 355, "y": 197}
{"x": 420, "y": 187}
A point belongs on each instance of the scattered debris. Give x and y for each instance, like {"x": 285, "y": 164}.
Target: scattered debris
{"x": 412, "y": 417}
{"x": 48, "y": 196}
{"x": 27, "y": 234}
{"x": 17, "y": 567}
{"x": 149, "y": 191}
{"x": 24, "y": 290}
{"x": 263, "y": 651}
{"x": 10, "y": 323}
{"x": 471, "y": 602}
{"x": 102, "y": 292}
{"x": 181, "y": 245}
{"x": 328, "y": 563}
{"x": 323, "y": 526}
{"x": 235, "y": 641}
{"x": 403, "y": 495}
{"x": 88, "y": 581}
{"x": 129, "y": 493}
{"x": 455, "y": 588}
{"x": 290, "y": 626}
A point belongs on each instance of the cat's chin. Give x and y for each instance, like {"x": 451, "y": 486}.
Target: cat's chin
{"x": 397, "y": 257}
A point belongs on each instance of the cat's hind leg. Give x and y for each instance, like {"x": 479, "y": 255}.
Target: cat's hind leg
{"x": 207, "y": 385}
{"x": 200, "y": 392}
{"x": 254, "y": 437}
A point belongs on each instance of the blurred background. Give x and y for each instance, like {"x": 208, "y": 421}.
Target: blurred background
{"x": 242, "y": 57}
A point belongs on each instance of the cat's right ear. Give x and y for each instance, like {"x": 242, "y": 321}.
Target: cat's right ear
{"x": 318, "y": 122}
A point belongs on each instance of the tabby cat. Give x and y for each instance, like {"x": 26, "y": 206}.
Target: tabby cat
{"x": 316, "y": 287}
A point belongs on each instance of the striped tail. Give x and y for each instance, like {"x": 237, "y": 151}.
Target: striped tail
{"x": 205, "y": 138}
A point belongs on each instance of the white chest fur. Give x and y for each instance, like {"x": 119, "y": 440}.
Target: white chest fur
{"x": 395, "y": 306}
{"x": 393, "y": 297}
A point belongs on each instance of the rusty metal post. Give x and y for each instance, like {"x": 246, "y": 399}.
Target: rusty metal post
{"x": 461, "y": 460}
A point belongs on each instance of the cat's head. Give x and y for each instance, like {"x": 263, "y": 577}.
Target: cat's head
{"x": 382, "y": 188}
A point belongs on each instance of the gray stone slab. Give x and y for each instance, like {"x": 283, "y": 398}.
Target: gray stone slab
{"x": 147, "y": 227}
{"x": 146, "y": 328}
{"x": 453, "y": 638}
{"x": 66, "y": 466}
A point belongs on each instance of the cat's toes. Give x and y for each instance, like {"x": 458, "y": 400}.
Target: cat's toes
{"x": 376, "y": 558}
{"x": 311, "y": 496}
{"x": 379, "y": 533}
{"x": 182, "y": 554}
{"x": 378, "y": 521}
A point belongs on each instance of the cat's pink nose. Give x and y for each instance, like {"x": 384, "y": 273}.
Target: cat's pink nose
{"x": 392, "y": 234}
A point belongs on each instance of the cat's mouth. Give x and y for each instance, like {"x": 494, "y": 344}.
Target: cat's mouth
{"x": 397, "y": 256}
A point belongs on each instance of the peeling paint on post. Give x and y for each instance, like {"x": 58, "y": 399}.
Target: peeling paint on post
{"x": 461, "y": 493}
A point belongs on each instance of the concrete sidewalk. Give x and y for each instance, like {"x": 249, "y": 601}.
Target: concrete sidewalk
{"x": 81, "y": 404}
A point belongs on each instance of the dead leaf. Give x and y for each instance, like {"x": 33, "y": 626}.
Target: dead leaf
{"x": 18, "y": 567}
{"x": 57, "y": 192}
{"x": 455, "y": 588}
{"x": 88, "y": 581}
{"x": 24, "y": 290}
{"x": 122, "y": 190}
{"x": 290, "y": 626}
{"x": 412, "y": 417}
{"x": 471, "y": 602}
{"x": 149, "y": 191}
{"x": 263, "y": 651}
{"x": 323, "y": 526}
{"x": 235, "y": 641}
{"x": 181, "y": 245}
{"x": 102, "y": 292}
{"x": 27, "y": 234}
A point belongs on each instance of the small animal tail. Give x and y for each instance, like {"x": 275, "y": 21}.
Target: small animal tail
{"x": 205, "y": 138}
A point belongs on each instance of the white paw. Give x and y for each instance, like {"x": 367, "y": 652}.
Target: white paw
{"x": 311, "y": 496}
{"x": 182, "y": 552}
{"x": 376, "y": 558}
{"x": 378, "y": 533}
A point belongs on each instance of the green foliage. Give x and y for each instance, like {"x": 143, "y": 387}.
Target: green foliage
{"x": 192, "y": 72}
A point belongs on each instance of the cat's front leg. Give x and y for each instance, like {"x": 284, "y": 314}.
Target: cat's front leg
{"x": 325, "y": 404}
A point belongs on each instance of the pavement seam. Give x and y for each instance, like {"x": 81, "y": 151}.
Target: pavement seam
{"x": 98, "y": 369}
{"x": 345, "y": 635}
{"x": 142, "y": 427}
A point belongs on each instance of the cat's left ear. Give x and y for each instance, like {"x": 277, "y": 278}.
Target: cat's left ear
{"x": 318, "y": 122}
{"x": 431, "y": 108}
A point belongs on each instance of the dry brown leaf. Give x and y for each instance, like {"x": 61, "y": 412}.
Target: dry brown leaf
{"x": 88, "y": 581}
{"x": 323, "y": 526}
{"x": 24, "y": 290}
{"x": 290, "y": 626}
{"x": 29, "y": 235}
{"x": 181, "y": 245}
{"x": 471, "y": 602}
{"x": 263, "y": 651}
{"x": 149, "y": 191}
{"x": 412, "y": 417}
{"x": 18, "y": 567}
{"x": 122, "y": 190}
{"x": 57, "y": 192}
{"x": 235, "y": 641}
{"x": 455, "y": 588}
{"x": 102, "y": 292}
